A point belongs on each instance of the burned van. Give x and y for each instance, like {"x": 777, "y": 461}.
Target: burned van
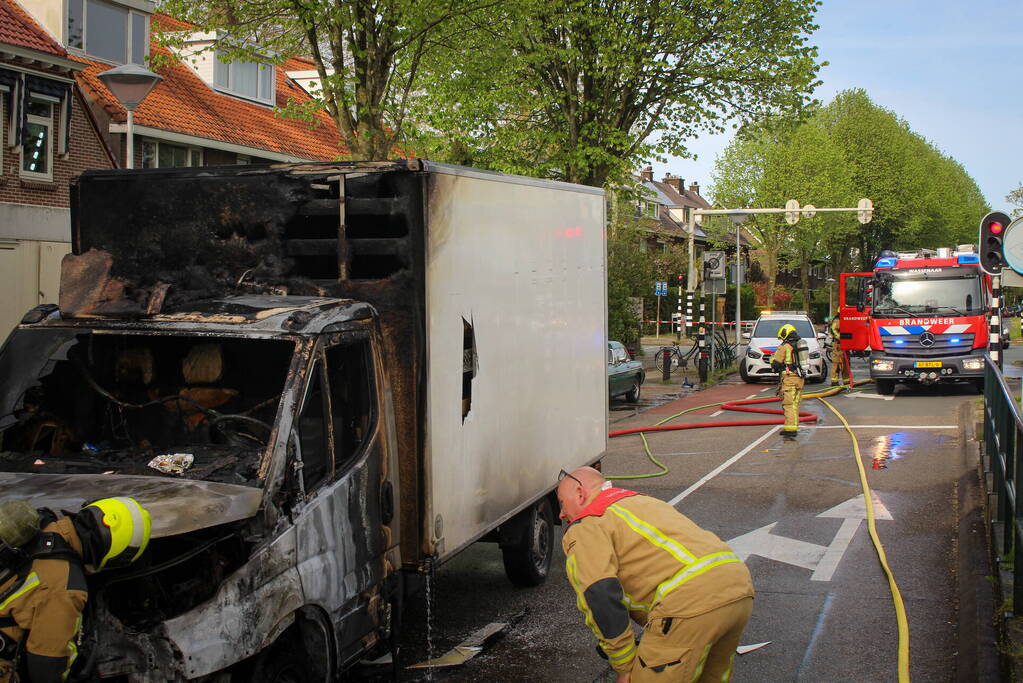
{"x": 316, "y": 378}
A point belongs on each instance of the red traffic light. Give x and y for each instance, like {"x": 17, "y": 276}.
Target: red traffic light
{"x": 680, "y": 278}
{"x": 995, "y": 227}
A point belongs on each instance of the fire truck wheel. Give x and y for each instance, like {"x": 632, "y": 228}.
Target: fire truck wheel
{"x": 885, "y": 387}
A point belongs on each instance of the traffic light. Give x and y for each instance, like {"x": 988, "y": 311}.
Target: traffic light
{"x": 992, "y": 230}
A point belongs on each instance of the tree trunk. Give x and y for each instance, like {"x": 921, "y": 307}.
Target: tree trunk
{"x": 771, "y": 271}
{"x": 804, "y": 278}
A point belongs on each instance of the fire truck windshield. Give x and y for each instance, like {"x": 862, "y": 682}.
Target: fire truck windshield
{"x": 922, "y": 296}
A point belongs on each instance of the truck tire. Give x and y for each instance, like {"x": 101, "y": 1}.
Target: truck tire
{"x": 632, "y": 395}
{"x": 527, "y": 554}
{"x": 300, "y": 655}
{"x": 885, "y": 387}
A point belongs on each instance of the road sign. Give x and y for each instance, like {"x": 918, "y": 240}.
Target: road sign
{"x": 809, "y": 211}
{"x": 714, "y": 264}
{"x": 1012, "y": 245}
{"x": 792, "y": 211}
{"x": 660, "y": 289}
{"x": 716, "y": 285}
{"x": 864, "y": 211}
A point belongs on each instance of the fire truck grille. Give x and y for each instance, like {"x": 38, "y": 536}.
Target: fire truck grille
{"x": 944, "y": 345}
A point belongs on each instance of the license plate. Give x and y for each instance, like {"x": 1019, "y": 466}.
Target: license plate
{"x": 927, "y": 364}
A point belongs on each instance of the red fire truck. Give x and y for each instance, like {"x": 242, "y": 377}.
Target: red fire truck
{"x": 920, "y": 317}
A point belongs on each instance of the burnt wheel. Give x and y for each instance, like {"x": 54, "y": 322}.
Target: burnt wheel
{"x": 528, "y": 545}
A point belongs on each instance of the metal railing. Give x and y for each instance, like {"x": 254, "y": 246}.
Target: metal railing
{"x": 1003, "y": 444}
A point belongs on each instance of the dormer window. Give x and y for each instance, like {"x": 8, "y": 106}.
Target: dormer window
{"x": 110, "y": 32}
{"x": 251, "y": 80}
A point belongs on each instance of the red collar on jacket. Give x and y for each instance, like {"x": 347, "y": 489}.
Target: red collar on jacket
{"x": 603, "y": 501}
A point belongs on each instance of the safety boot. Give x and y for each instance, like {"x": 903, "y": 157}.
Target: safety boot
{"x": 789, "y": 434}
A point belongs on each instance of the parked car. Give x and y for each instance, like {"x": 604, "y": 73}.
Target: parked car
{"x": 762, "y": 342}
{"x": 624, "y": 375}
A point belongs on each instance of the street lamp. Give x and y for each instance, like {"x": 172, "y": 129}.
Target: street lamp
{"x": 130, "y": 83}
{"x": 831, "y": 296}
{"x": 738, "y": 217}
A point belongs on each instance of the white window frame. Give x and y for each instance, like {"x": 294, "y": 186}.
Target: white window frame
{"x": 53, "y": 102}
{"x": 230, "y": 90}
{"x": 191, "y": 149}
{"x": 651, "y": 210}
{"x": 129, "y": 39}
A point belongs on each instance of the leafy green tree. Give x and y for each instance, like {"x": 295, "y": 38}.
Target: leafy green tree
{"x": 584, "y": 91}
{"x": 629, "y": 274}
{"x": 849, "y": 149}
{"x": 372, "y": 56}
{"x": 1016, "y": 198}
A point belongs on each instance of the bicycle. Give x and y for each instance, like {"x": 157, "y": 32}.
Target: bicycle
{"x": 678, "y": 359}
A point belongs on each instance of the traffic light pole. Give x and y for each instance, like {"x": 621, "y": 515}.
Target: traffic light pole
{"x": 995, "y": 329}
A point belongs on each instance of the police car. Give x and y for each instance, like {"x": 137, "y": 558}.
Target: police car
{"x": 762, "y": 342}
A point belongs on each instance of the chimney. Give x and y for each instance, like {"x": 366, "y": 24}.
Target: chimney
{"x": 647, "y": 174}
{"x": 674, "y": 181}
{"x": 694, "y": 188}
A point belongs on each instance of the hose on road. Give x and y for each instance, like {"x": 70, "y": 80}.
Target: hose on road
{"x": 750, "y": 406}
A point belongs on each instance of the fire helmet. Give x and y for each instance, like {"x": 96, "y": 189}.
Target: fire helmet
{"x": 19, "y": 522}
{"x": 785, "y": 331}
{"x": 115, "y": 531}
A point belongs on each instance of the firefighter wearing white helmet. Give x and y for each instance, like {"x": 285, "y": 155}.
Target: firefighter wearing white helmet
{"x": 44, "y": 559}
{"x": 788, "y": 362}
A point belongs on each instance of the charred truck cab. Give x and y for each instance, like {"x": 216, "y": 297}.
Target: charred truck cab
{"x": 317, "y": 378}
{"x": 922, "y": 317}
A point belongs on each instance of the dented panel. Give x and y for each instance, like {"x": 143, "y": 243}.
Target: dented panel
{"x": 250, "y": 608}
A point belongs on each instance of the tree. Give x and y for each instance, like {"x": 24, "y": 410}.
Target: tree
{"x": 1016, "y": 197}
{"x": 372, "y": 56}
{"x": 849, "y": 149}
{"x": 583, "y": 91}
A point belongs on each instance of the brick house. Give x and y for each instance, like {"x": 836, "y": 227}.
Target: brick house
{"x": 204, "y": 113}
{"x": 663, "y": 212}
{"x": 47, "y": 137}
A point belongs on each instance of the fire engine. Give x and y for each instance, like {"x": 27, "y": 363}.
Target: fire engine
{"x": 920, "y": 317}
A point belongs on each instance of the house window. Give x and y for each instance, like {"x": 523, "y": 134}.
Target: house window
{"x": 36, "y": 156}
{"x": 158, "y": 154}
{"x": 642, "y": 245}
{"x": 651, "y": 210}
{"x": 251, "y": 80}
{"x": 109, "y": 32}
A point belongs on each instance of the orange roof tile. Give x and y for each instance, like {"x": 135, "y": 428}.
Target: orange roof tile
{"x": 18, "y": 28}
{"x": 184, "y": 103}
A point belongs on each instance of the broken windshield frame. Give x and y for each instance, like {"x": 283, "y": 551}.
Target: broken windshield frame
{"x": 929, "y": 296}
{"x": 78, "y": 401}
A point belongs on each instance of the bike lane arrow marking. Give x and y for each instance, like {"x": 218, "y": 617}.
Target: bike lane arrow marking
{"x": 822, "y": 560}
{"x": 851, "y": 512}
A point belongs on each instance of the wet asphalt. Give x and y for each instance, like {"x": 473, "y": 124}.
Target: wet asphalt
{"x": 823, "y": 601}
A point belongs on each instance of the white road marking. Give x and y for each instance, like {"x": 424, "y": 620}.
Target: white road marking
{"x": 723, "y": 466}
{"x": 717, "y": 413}
{"x": 833, "y": 555}
{"x": 862, "y": 394}
{"x": 779, "y": 548}
{"x": 751, "y": 396}
{"x": 890, "y": 426}
{"x": 822, "y": 560}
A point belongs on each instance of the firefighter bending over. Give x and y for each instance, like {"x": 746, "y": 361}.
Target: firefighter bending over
{"x": 44, "y": 556}
{"x": 840, "y": 357}
{"x": 788, "y": 362}
{"x": 630, "y": 555}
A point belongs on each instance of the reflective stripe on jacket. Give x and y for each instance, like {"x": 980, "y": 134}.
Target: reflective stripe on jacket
{"x": 48, "y": 604}
{"x": 641, "y": 554}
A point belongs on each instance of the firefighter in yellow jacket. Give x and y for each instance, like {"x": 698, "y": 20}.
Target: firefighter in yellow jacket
{"x": 839, "y": 357}
{"x": 44, "y": 557}
{"x": 787, "y": 362}
{"x": 630, "y": 555}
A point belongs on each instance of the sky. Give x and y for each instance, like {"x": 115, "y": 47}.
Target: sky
{"x": 951, "y": 68}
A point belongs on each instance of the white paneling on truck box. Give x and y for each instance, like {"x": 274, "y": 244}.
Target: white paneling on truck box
{"x": 516, "y": 327}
